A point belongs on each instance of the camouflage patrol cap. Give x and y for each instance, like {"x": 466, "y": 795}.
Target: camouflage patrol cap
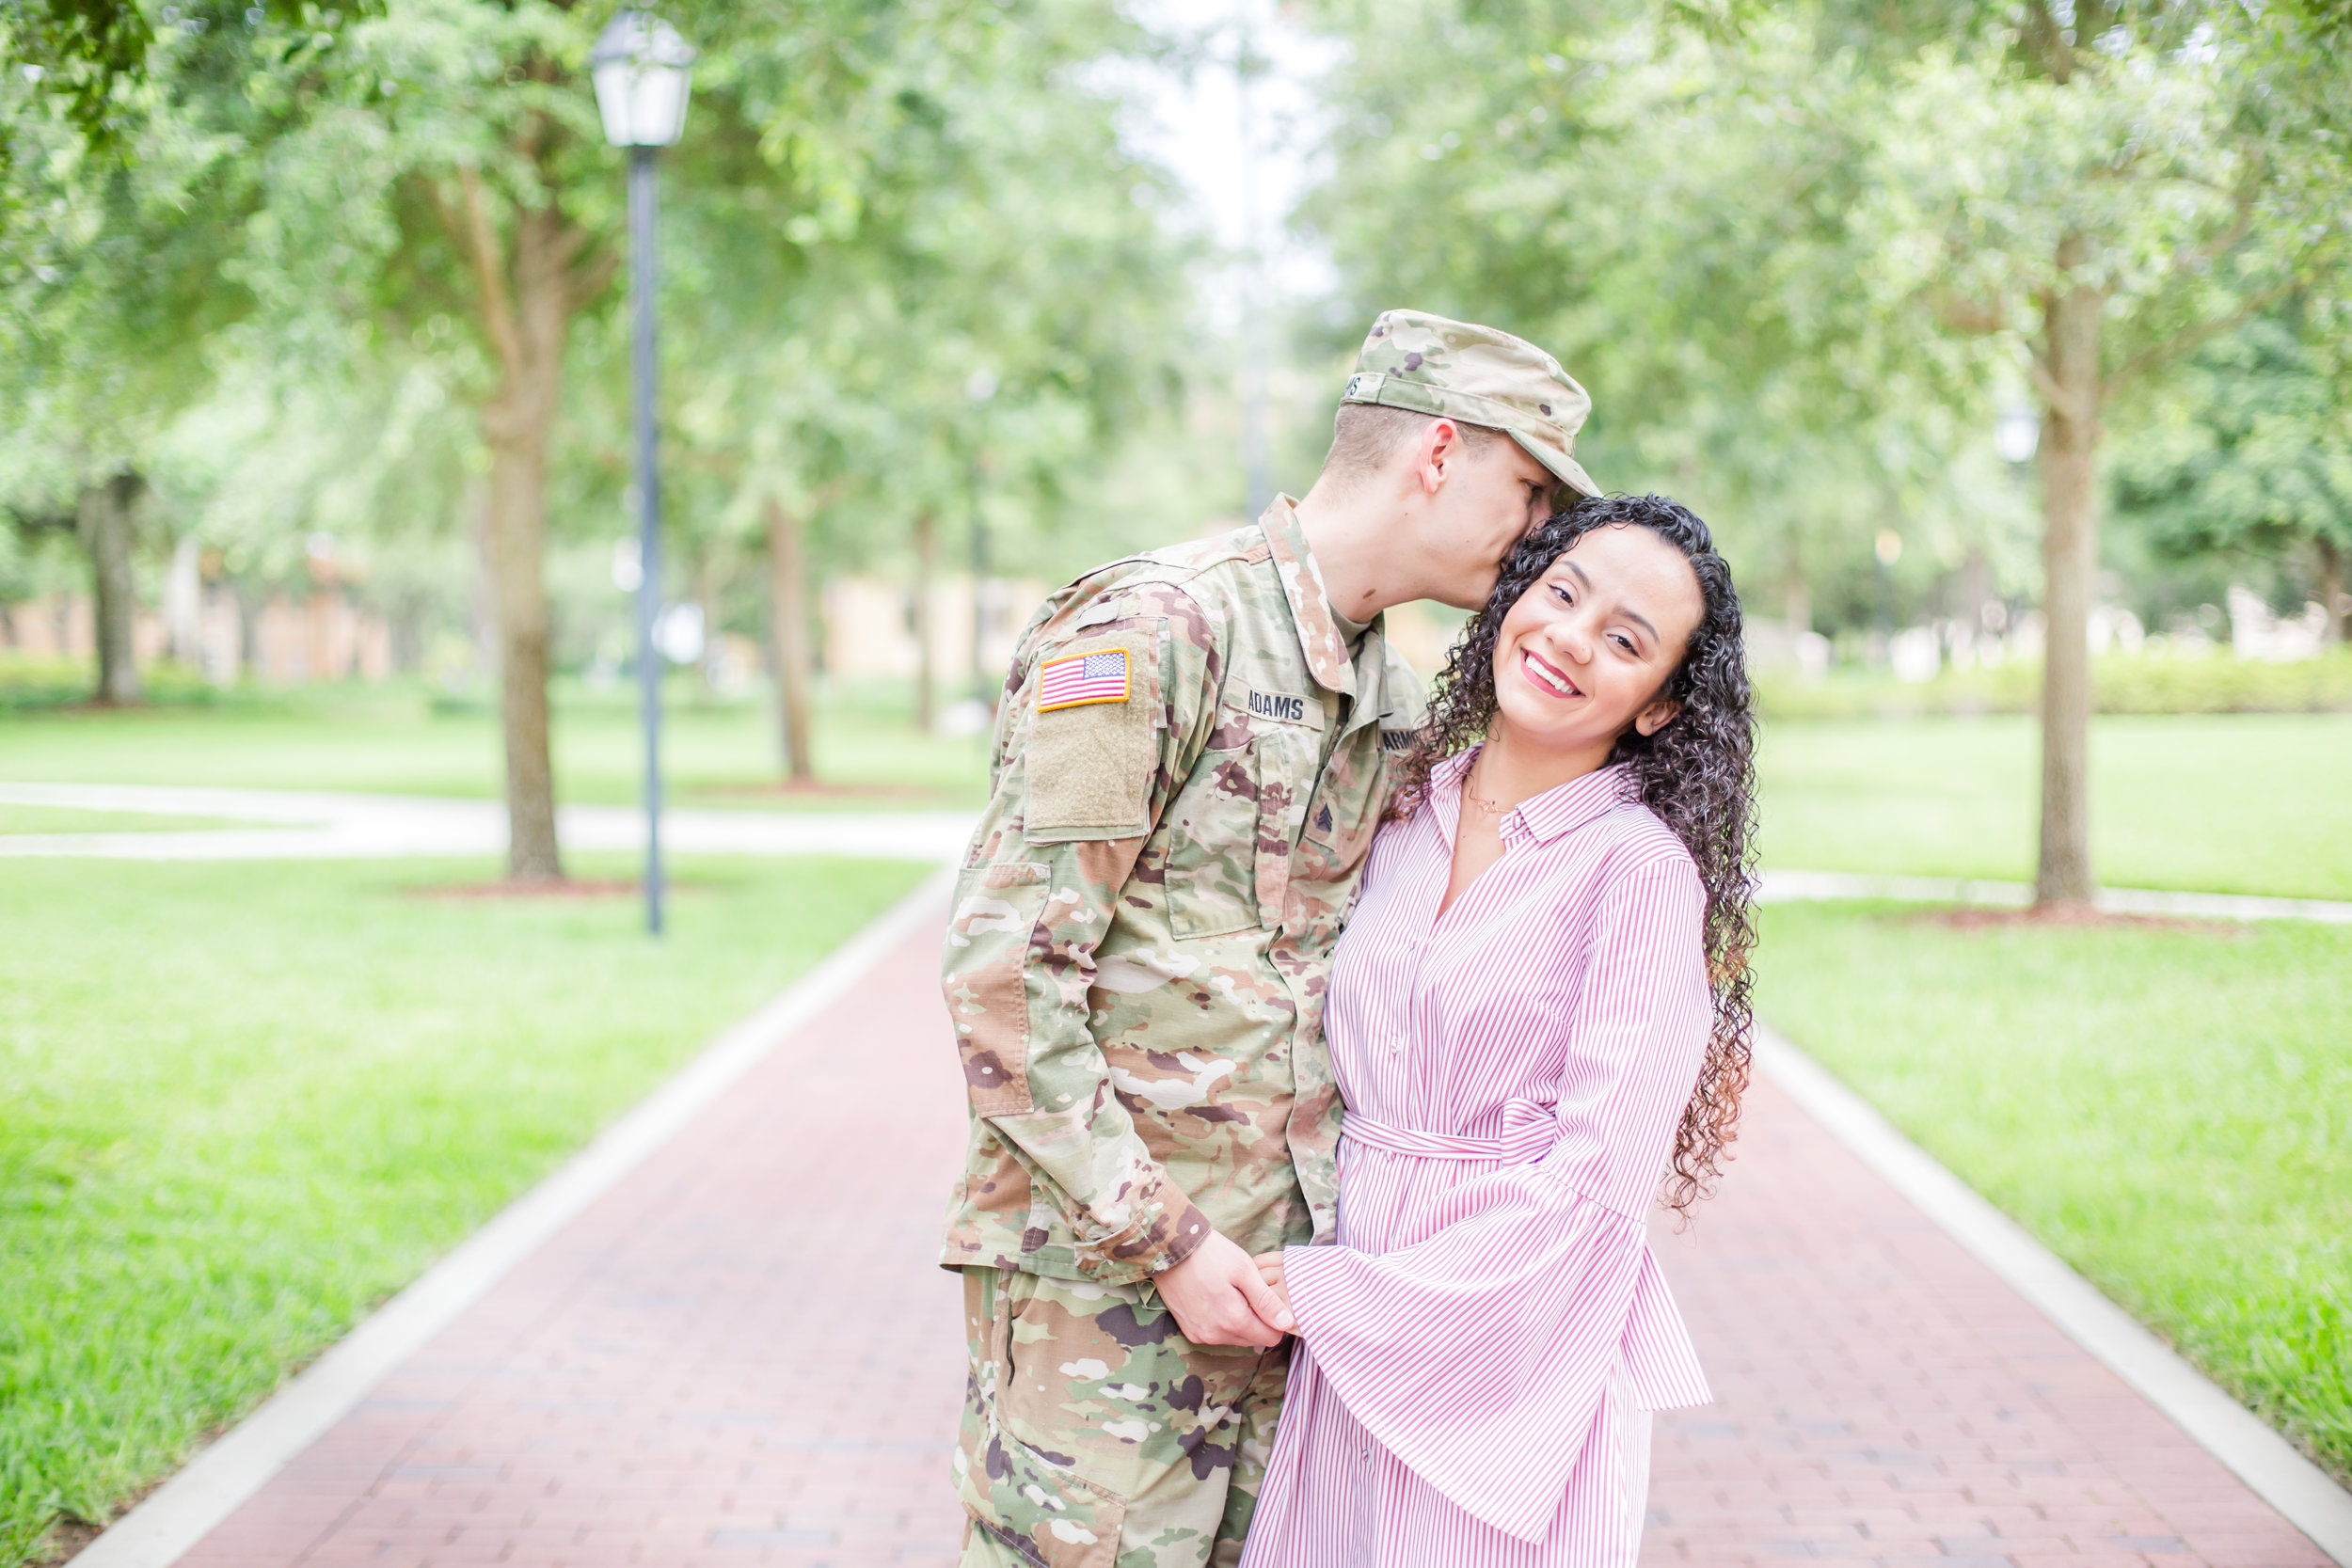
{"x": 1475, "y": 376}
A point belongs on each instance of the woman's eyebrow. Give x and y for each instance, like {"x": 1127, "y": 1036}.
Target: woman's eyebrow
{"x": 1633, "y": 615}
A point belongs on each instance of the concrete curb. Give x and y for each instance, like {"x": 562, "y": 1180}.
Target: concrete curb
{"x": 2302, "y": 1493}
{"x": 185, "y": 1508}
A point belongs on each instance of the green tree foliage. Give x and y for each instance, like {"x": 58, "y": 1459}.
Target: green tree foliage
{"x": 975, "y": 233}
{"x": 404, "y": 315}
{"x": 2098, "y": 189}
{"x": 120, "y": 270}
{"x": 1669, "y": 208}
{"x": 2249, "y": 450}
{"x": 95, "y": 56}
{"x": 1797, "y": 252}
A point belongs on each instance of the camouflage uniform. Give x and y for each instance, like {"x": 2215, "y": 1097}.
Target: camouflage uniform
{"x": 1136, "y": 968}
{"x": 1188, "y": 767}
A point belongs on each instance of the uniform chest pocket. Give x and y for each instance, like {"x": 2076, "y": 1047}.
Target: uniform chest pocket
{"x": 1226, "y": 840}
{"x": 1346, "y": 811}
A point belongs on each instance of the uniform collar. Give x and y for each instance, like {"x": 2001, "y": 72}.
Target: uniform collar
{"x": 1319, "y": 637}
{"x": 1540, "y": 819}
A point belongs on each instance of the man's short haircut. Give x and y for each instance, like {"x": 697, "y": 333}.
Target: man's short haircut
{"x": 1364, "y": 435}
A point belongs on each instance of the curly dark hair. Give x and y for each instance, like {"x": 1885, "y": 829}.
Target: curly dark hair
{"x": 1697, "y": 773}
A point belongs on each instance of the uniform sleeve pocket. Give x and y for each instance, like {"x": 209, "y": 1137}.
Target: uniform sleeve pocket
{"x": 1089, "y": 757}
{"x": 988, "y": 940}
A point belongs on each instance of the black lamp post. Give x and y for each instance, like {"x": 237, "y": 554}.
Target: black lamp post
{"x": 641, "y": 66}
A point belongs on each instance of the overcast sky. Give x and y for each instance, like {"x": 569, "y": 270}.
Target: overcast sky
{"x": 1188, "y": 119}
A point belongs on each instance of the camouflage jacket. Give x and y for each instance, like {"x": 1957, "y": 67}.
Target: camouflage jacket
{"x": 1187, "y": 772}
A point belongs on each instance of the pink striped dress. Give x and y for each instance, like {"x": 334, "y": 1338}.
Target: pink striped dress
{"x": 1482, "y": 1345}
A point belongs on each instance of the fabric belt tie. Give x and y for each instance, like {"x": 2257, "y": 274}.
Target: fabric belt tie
{"x": 1515, "y": 1147}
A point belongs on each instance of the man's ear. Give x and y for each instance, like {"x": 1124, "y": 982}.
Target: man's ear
{"x": 1441, "y": 452}
{"x": 1657, "y": 716}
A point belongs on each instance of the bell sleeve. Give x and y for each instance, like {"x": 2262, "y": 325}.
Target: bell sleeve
{"x": 1480, "y": 1355}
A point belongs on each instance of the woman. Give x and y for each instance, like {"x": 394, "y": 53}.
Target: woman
{"x": 1539, "y": 1008}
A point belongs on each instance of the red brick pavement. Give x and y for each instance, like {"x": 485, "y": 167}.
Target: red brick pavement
{"x": 742, "y": 1356}
{"x": 1882, "y": 1397}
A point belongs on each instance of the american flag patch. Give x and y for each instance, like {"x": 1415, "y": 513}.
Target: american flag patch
{"x": 1083, "y": 678}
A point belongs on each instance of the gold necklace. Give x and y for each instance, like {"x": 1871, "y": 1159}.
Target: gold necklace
{"x": 1492, "y": 808}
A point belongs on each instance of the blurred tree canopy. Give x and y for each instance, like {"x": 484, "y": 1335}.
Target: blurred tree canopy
{"x": 1802, "y": 254}
{"x": 287, "y": 266}
{"x": 280, "y": 272}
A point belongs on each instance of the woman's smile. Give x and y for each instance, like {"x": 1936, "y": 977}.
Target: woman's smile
{"x": 1547, "y": 678}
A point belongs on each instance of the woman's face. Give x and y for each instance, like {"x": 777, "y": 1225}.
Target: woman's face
{"x": 1584, "y": 654}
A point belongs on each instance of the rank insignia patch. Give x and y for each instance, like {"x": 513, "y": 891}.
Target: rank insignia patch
{"x": 1083, "y": 678}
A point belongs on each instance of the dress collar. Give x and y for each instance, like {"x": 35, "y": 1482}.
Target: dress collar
{"x": 1319, "y": 636}
{"x": 1567, "y": 807}
{"x": 1539, "y": 818}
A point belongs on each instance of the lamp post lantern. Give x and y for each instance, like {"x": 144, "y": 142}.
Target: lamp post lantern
{"x": 641, "y": 66}
{"x": 2016, "y": 433}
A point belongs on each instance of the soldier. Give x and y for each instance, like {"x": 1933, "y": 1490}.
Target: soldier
{"x": 1192, "y": 754}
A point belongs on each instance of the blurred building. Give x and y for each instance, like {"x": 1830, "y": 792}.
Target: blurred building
{"x": 325, "y": 636}
{"x": 870, "y": 628}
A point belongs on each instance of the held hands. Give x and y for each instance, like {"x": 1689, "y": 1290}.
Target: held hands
{"x": 1220, "y": 1298}
{"x": 1270, "y": 1270}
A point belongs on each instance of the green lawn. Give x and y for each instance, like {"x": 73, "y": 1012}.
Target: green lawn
{"x": 2171, "y": 1110}
{"x": 2229, "y": 803}
{"x": 396, "y": 739}
{"x": 2224, "y": 803}
{"x": 72, "y": 819}
{"x": 228, "y": 1135}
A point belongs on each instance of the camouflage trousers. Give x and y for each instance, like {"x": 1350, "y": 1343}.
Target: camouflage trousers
{"x": 1096, "y": 1435}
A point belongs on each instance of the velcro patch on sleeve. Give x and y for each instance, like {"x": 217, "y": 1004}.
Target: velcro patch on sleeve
{"x": 1089, "y": 759}
{"x": 1077, "y": 680}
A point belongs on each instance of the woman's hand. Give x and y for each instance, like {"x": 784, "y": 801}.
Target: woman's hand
{"x": 1270, "y": 1270}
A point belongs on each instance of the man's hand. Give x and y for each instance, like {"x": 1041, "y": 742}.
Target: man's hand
{"x": 1219, "y": 1298}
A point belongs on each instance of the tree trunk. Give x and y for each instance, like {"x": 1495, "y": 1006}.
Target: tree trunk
{"x": 983, "y": 690}
{"x": 2070, "y": 550}
{"x": 184, "y": 603}
{"x": 2337, "y": 627}
{"x": 251, "y": 598}
{"x": 712, "y": 665}
{"x": 107, "y": 527}
{"x": 482, "y": 611}
{"x": 926, "y": 569}
{"x": 516, "y": 423}
{"x": 787, "y": 625}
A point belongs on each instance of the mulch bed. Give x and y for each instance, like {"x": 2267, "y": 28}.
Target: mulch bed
{"x": 811, "y": 789}
{"x": 1970, "y": 917}
{"x": 571, "y": 887}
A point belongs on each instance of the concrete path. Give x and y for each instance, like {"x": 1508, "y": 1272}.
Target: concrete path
{"x": 741, "y": 1353}
{"x": 324, "y": 825}
{"x": 321, "y": 825}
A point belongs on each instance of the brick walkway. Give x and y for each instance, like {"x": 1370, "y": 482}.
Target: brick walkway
{"x": 1881, "y": 1397}
{"x": 741, "y": 1355}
